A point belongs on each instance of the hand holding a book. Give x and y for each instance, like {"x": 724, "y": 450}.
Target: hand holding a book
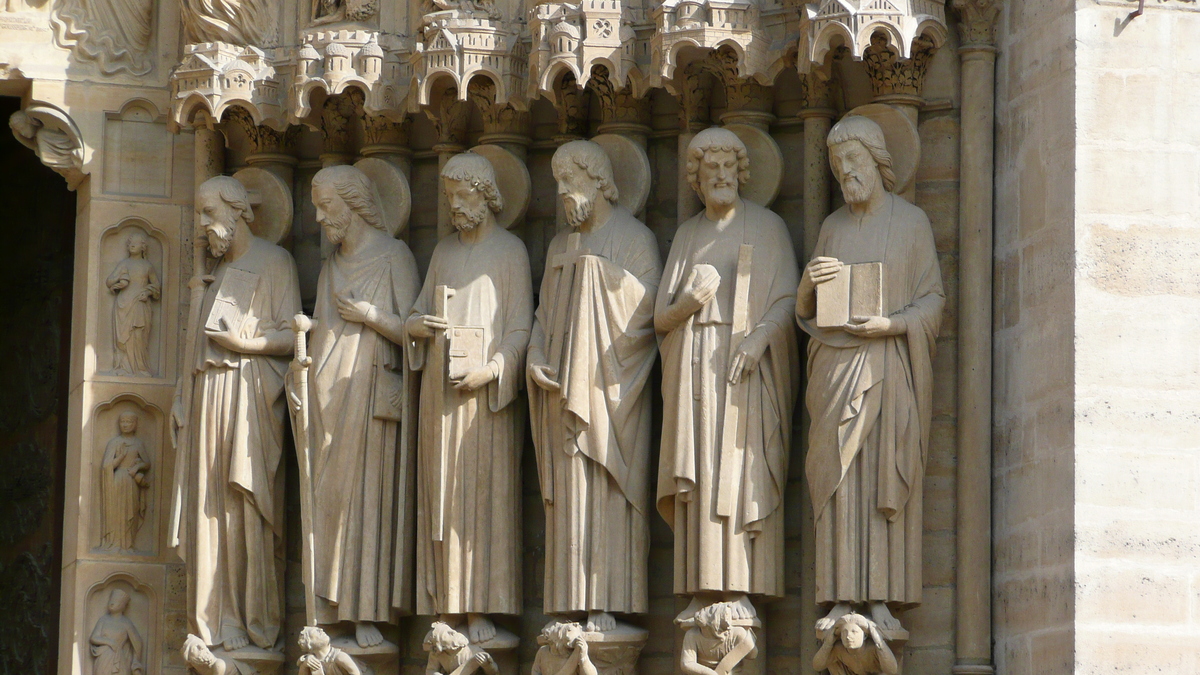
{"x": 421, "y": 326}
{"x": 477, "y": 377}
{"x": 818, "y": 271}
{"x": 876, "y": 326}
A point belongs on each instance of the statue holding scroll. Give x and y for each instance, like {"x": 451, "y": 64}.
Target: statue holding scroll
{"x": 230, "y": 432}
{"x": 730, "y": 372}
{"x": 870, "y": 384}
{"x": 468, "y": 332}
{"x": 590, "y": 356}
{"x": 362, "y": 416}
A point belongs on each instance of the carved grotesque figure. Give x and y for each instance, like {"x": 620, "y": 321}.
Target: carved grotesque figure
{"x": 451, "y": 653}
{"x": 232, "y": 436}
{"x": 123, "y": 486}
{"x": 590, "y": 358}
{"x": 870, "y": 387}
{"x": 322, "y": 658}
{"x": 714, "y": 645}
{"x": 468, "y": 332}
{"x": 135, "y": 282}
{"x": 844, "y": 650}
{"x": 730, "y": 372}
{"x": 116, "y": 642}
{"x": 361, "y": 429}
{"x": 564, "y": 651}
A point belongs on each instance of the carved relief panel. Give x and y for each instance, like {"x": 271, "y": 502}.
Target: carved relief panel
{"x": 130, "y": 342}
{"x": 127, "y": 478}
{"x": 120, "y": 628}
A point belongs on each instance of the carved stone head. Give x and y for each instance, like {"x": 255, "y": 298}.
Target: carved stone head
{"x": 471, "y": 190}
{"x": 313, "y": 639}
{"x": 716, "y": 619}
{"x": 136, "y": 244}
{"x": 560, "y": 636}
{"x": 342, "y": 196}
{"x": 223, "y": 206}
{"x": 443, "y": 638}
{"x": 118, "y": 600}
{"x": 859, "y": 158}
{"x": 128, "y": 423}
{"x": 584, "y": 174}
{"x": 851, "y": 629}
{"x": 718, "y": 165}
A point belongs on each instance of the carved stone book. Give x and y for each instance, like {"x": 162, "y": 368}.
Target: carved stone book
{"x": 466, "y": 350}
{"x": 857, "y": 290}
{"x": 233, "y": 300}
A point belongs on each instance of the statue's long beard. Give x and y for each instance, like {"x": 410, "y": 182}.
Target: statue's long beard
{"x": 468, "y": 219}
{"x": 336, "y": 229}
{"x": 856, "y": 191}
{"x": 723, "y": 195}
{"x": 578, "y": 208}
{"x": 220, "y": 238}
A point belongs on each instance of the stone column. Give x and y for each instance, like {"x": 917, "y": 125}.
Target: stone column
{"x": 450, "y": 117}
{"x": 693, "y": 118}
{"x": 503, "y": 125}
{"x": 974, "y": 527}
{"x": 817, "y": 114}
{"x": 337, "y": 113}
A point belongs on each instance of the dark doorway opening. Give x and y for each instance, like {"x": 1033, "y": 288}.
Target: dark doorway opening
{"x": 37, "y": 226}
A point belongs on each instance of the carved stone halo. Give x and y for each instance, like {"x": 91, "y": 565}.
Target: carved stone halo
{"x": 394, "y": 193}
{"x": 271, "y": 200}
{"x": 766, "y": 164}
{"x": 900, "y": 134}
{"x": 631, "y": 169}
{"x": 512, "y": 178}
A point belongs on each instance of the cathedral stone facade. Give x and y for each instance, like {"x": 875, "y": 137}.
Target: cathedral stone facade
{"x": 614, "y": 336}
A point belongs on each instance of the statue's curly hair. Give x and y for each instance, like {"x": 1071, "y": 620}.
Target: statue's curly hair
{"x": 716, "y": 139}
{"x": 476, "y": 170}
{"x": 442, "y": 637}
{"x": 233, "y": 193}
{"x": 592, "y": 158}
{"x": 357, "y": 190}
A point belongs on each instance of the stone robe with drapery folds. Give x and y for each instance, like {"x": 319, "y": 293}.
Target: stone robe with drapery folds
{"x": 593, "y": 434}
{"x": 233, "y": 541}
{"x": 123, "y": 502}
{"x": 741, "y": 552}
{"x": 363, "y": 465}
{"x": 116, "y": 646}
{"x": 870, "y": 400}
{"x": 469, "y": 509}
{"x": 132, "y": 314}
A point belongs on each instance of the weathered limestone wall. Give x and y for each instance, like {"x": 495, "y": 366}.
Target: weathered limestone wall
{"x": 1137, "y": 314}
{"x": 1034, "y": 323}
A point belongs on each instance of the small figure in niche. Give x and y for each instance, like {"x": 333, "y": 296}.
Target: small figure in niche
{"x": 844, "y": 652}
{"x": 122, "y": 486}
{"x": 322, "y": 658}
{"x": 450, "y": 653}
{"x": 116, "y": 642}
{"x": 135, "y": 281}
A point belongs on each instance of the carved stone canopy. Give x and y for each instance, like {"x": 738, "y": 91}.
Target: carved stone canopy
{"x": 856, "y": 24}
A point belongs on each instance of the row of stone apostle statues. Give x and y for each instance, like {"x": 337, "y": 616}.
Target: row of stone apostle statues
{"x": 405, "y": 403}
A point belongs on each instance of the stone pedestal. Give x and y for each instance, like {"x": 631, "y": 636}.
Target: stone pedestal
{"x": 616, "y": 652}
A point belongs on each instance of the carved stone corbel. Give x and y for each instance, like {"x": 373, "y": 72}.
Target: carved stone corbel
{"x": 270, "y": 149}
{"x": 571, "y": 102}
{"x": 620, "y": 111}
{"x": 892, "y": 75}
{"x": 337, "y": 115}
{"x": 54, "y": 138}
{"x": 503, "y": 123}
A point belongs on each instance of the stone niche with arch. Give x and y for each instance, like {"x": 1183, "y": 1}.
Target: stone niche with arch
{"x": 129, "y": 478}
{"x": 131, "y": 337}
{"x": 102, "y": 626}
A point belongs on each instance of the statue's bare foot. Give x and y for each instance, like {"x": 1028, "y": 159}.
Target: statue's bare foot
{"x": 825, "y": 623}
{"x": 600, "y": 622}
{"x": 236, "y": 641}
{"x": 367, "y": 634}
{"x": 743, "y": 610}
{"x": 480, "y": 628}
{"x": 883, "y": 618}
